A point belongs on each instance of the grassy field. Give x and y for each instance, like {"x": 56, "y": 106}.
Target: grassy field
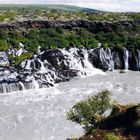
{"x": 44, "y": 6}
{"x": 10, "y": 13}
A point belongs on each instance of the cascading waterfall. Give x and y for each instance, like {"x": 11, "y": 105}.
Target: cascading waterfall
{"x": 126, "y": 57}
{"x": 38, "y": 72}
{"x": 106, "y": 58}
{"x": 47, "y": 68}
{"x": 22, "y": 85}
{"x": 88, "y": 67}
{"x": 72, "y": 60}
{"x": 81, "y": 63}
{"x": 35, "y": 84}
{"x": 17, "y": 51}
{"x": 4, "y": 61}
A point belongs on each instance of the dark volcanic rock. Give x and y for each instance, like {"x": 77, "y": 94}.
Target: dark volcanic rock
{"x": 126, "y": 119}
{"x": 93, "y": 26}
{"x": 107, "y": 59}
{"x": 46, "y": 68}
{"x": 118, "y": 58}
{"x": 53, "y": 57}
{"x": 132, "y": 115}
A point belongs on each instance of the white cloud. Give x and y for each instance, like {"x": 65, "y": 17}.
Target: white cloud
{"x": 108, "y": 5}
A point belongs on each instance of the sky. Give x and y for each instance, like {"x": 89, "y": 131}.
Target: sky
{"x": 107, "y": 5}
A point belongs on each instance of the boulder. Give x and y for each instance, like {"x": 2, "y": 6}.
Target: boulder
{"x": 124, "y": 117}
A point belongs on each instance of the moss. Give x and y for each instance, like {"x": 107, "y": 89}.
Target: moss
{"x": 111, "y": 136}
{"x": 4, "y": 45}
{"x": 16, "y": 60}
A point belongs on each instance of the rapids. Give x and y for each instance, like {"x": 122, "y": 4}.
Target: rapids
{"x": 40, "y": 114}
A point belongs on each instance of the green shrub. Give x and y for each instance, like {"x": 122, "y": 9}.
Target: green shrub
{"x": 3, "y": 45}
{"x": 90, "y": 111}
{"x": 32, "y": 45}
{"x": 111, "y": 136}
{"x": 3, "y": 34}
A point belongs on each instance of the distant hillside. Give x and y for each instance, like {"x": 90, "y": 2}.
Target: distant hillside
{"x": 54, "y": 12}
{"x": 45, "y": 6}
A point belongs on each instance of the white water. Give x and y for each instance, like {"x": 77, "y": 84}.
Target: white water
{"x": 41, "y": 114}
{"x": 106, "y": 57}
{"x": 17, "y": 51}
{"x": 126, "y": 57}
{"x": 85, "y": 68}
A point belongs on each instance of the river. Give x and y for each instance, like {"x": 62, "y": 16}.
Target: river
{"x": 41, "y": 114}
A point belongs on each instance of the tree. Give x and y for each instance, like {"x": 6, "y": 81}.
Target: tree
{"x": 89, "y": 112}
{"x": 32, "y": 45}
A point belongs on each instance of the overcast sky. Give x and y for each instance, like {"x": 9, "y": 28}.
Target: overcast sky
{"x": 108, "y": 5}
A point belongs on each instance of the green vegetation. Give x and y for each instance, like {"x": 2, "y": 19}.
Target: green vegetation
{"x": 50, "y": 12}
{"x": 49, "y": 39}
{"x": 107, "y": 16}
{"x": 90, "y": 111}
{"x": 16, "y": 60}
{"x": 123, "y": 123}
{"x": 59, "y": 12}
{"x": 40, "y": 7}
{"x": 52, "y": 38}
{"x": 8, "y": 16}
{"x": 3, "y": 45}
{"x": 111, "y": 136}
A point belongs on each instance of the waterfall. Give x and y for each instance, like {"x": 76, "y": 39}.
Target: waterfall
{"x": 22, "y": 85}
{"x": 35, "y": 84}
{"x": 4, "y": 61}
{"x": 78, "y": 60}
{"x": 47, "y": 68}
{"x": 88, "y": 67}
{"x": 17, "y": 51}
{"x": 126, "y": 57}
{"x": 106, "y": 58}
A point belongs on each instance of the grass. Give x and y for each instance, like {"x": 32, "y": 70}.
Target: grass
{"x": 55, "y": 11}
{"x": 111, "y": 136}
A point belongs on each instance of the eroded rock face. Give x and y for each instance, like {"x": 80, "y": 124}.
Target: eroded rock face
{"x": 90, "y": 25}
{"x": 109, "y": 59}
{"x": 116, "y": 58}
{"x": 119, "y": 58}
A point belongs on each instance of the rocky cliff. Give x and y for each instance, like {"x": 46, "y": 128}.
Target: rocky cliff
{"x": 90, "y": 25}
